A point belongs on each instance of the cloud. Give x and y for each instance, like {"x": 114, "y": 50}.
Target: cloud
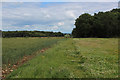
{"x": 60, "y": 0}
{"x": 0, "y": 16}
{"x": 47, "y": 16}
{"x": 60, "y": 23}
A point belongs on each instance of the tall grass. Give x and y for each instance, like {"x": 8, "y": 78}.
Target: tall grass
{"x": 15, "y": 48}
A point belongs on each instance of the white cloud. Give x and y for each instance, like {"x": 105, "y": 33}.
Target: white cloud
{"x": 0, "y": 16}
{"x": 53, "y": 16}
{"x": 54, "y": 28}
{"x": 60, "y": 0}
{"x": 71, "y": 14}
{"x": 27, "y": 26}
{"x": 60, "y": 23}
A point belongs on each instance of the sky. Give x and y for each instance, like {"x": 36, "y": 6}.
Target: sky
{"x": 48, "y": 16}
{"x": 60, "y": 0}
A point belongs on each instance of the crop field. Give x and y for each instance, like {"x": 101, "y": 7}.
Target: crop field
{"x": 67, "y": 58}
{"x": 16, "y": 48}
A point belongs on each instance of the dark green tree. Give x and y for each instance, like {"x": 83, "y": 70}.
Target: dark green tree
{"x": 102, "y": 24}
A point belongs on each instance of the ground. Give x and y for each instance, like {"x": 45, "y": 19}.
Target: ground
{"x": 72, "y": 58}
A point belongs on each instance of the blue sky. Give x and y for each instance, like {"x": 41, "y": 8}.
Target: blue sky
{"x": 48, "y": 16}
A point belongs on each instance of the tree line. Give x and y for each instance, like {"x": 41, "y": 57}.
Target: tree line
{"x": 101, "y": 24}
{"x": 31, "y": 34}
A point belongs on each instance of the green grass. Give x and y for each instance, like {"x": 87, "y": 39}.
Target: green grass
{"x": 101, "y": 57}
{"x": 74, "y": 58}
{"x": 15, "y": 48}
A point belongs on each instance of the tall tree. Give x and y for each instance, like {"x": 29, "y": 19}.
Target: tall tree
{"x": 102, "y": 24}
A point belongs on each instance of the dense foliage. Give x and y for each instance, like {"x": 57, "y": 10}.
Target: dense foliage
{"x": 102, "y": 24}
{"x": 31, "y": 34}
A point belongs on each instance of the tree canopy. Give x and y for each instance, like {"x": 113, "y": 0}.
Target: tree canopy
{"x": 102, "y": 24}
{"x": 31, "y": 34}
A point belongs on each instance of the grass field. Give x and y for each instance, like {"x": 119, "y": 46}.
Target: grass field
{"x": 71, "y": 58}
{"x": 15, "y": 48}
